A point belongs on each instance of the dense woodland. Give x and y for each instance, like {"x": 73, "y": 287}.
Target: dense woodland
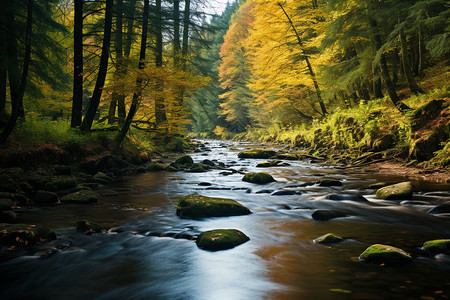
{"x": 321, "y": 74}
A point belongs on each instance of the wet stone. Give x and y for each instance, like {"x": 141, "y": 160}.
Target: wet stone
{"x": 437, "y": 246}
{"x": 384, "y": 254}
{"x": 328, "y": 238}
{"x": 440, "y": 209}
{"x": 346, "y": 197}
{"x": 399, "y": 191}
{"x": 325, "y": 215}
{"x": 329, "y": 182}
{"x": 221, "y": 239}
{"x": 197, "y": 206}
{"x": 285, "y": 193}
{"x": 265, "y": 192}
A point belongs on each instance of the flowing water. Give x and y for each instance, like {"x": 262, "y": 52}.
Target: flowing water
{"x": 146, "y": 257}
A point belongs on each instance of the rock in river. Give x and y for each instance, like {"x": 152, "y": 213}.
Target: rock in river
{"x": 81, "y": 197}
{"x": 45, "y": 197}
{"x": 256, "y": 153}
{"x": 329, "y": 182}
{"x": 221, "y": 239}
{"x": 325, "y": 215}
{"x": 346, "y": 197}
{"x": 384, "y": 254}
{"x": 24, "y": 235}
{"x": 437, "y": 246}
{"x": 197, "y": 206}
{"x": 399, "y": 191}
{"x": 328, "y": 238}
{"x": 88, "y": 227}
{"x": 444, "y": 208}
{"x": 259, "y": 178}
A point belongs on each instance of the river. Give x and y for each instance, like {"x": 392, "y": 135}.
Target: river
{"x": 146, "y": 254}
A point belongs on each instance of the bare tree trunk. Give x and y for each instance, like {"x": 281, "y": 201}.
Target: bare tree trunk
{"x": 420, "y": 46}
{"x": 406, "y": 66}
{"x": 160, "y": 108}
{"x": 176, "y": 32}
{"x": 18, "y": 110}
{"x": 311, "y": 71}
{"x": 118, "y": 45}
{"x": 137, "y": 95}
{"x": 97, "y": 94}
{"x": 77, "y": 101}
{"x": 3, "y": 66}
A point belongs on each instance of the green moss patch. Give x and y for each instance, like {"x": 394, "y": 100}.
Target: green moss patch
{"x": 399, "y": 191}
{"x": 437, "y": 246}
{"x": 23, "y": 235}
{"x": 260, "y": 178}
{"x": 256, "y": 153}
{"x": 81, "y": 197}
{"x": 328, "y": 238}
{"x": 61, "y": 184}
{"x": 221, "y": 239}
{"x": 384, "y": 254}
{"x": 197, "y": 206}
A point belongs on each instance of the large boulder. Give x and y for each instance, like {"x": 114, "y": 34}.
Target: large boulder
{"x": 328, "y": 238}
{"x": 260, "y": 178}
{"x": 257, "y": 153}
{"x": 81, "y": 197}
{"x": 45, "y": 197}
{"x": 437, "y": 246}
{"x": 106, "y": 163}
{"x": 185, "y": 160}
{"x": 384, "y": 254}
{"x": 197, "y": 206}
{"x": 24, "y": 235}
{"x": 221, "y": 239}
{"x": 399, "y": 191}
{"x": 60, "y": 184}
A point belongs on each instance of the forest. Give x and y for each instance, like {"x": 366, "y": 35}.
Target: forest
{"x": 246, "y": 149}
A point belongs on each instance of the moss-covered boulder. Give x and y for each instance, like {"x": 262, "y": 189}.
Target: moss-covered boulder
{"x": 196, "y": 206}
{"x": 328, "y": 238}
{"x": 287, "y": 156}
{"x": 437, "y": 246}
{"x": 45, "y": 197}
{"x": 274, "y": 163}
{"x": 184, "y": 160}
{"x": 221, "y": 239}
{"x": 257, "y": 153}
{"x": 102, "y": 178}
{"x": 260, "y": 178}
{"x": 60, "y": 184}
{"x": 23, "y": 235}
{"x": 7, "y": 184}
{"x": 329, "y": 182}
{"x": 325, "y": 215}
{"x": 399, "y": 191}
{"x": 81, "y": 197}
{"x": 88, "y": 227}
{"x": 384, "y": 254}
{"x": 155, "y": 167}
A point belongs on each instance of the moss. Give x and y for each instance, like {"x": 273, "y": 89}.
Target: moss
{"x": 256, "y": 153}
{"x": 102, "y": 178}
{"x": 81, "y": 197}
{"x": 287, "y": 156}
{"x": 221, "y": 239}
{"x": 330, "y": 182}
{"x": 89, "y": 227}
{"x": 24, "y": 235}
{"x": 60, "y": 184}
{"x": 437, "y": 246}
{"x": 384, "y": 254}
{"x": 260, "y": 178}
{"x": 155, "y": 167}
{"x": 197, "y": 206}
{"x": 265, "y": 164}
{"x": 328, "y": 238}
{"x": 325, "y": 215}
{"x": 399, "y": 191}
{"x": 184, "y": 160}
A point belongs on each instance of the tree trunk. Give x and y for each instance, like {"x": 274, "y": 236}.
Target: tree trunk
{"x": 119, "y": 72}
{"x": 311, "y": 71}
{"x": 160, "y": 108}
{"x": 137, "y": 95}
{"x": 378, "y": 92}
{"x": 406, "y": 66}
{"x": 176, "y": 32}
{"x": 3, "y": 67}
{"x": 11, "y": 39}
{"x": 97, "y": 94}
{"x": 420, "y": 46}
{"x": 77, "y": 101}
{"x": 384, "y": 68}
{"x": 186, "y": 21}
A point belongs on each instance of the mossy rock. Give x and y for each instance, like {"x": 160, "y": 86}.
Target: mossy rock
{"x": 399, "y": 191}
{"x": 325, "y": 215}
{"x": 60, "y": 184}
{"x": 287, "y": 156}
{"x": 328, "y": 238}
{"x": 5, "y": 195}
{"x": 265, "y": 164}
{"x": 90, "y": 185}
{"x": 102, "y": 178}
{"x": 88, "y": 227}
{"x": 155, "y": 167}
{"x": 45, "y": 197}
{"x": 23, "y": 235}
{"x": 437, "y": 246}
{"x": 256, "y": 153}
{"x": 329, "y": 182}
{"x": 184, "y": 160}
{"x": 260, "y": 178}
{"x": 81, "y": 197}
{"x": 197, "y": 206}
{"x": 7, "y": 184}
{"x": 275, "y": 163}
{"x": 5, "y": 204}
{"x": 384, "y": 254}
{"x": 221, "y": 239}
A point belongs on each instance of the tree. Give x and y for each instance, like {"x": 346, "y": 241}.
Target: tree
{"x": 77, "y": 105}
{"x": 96, "y": 95}
{"x": 160, "y": 107}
